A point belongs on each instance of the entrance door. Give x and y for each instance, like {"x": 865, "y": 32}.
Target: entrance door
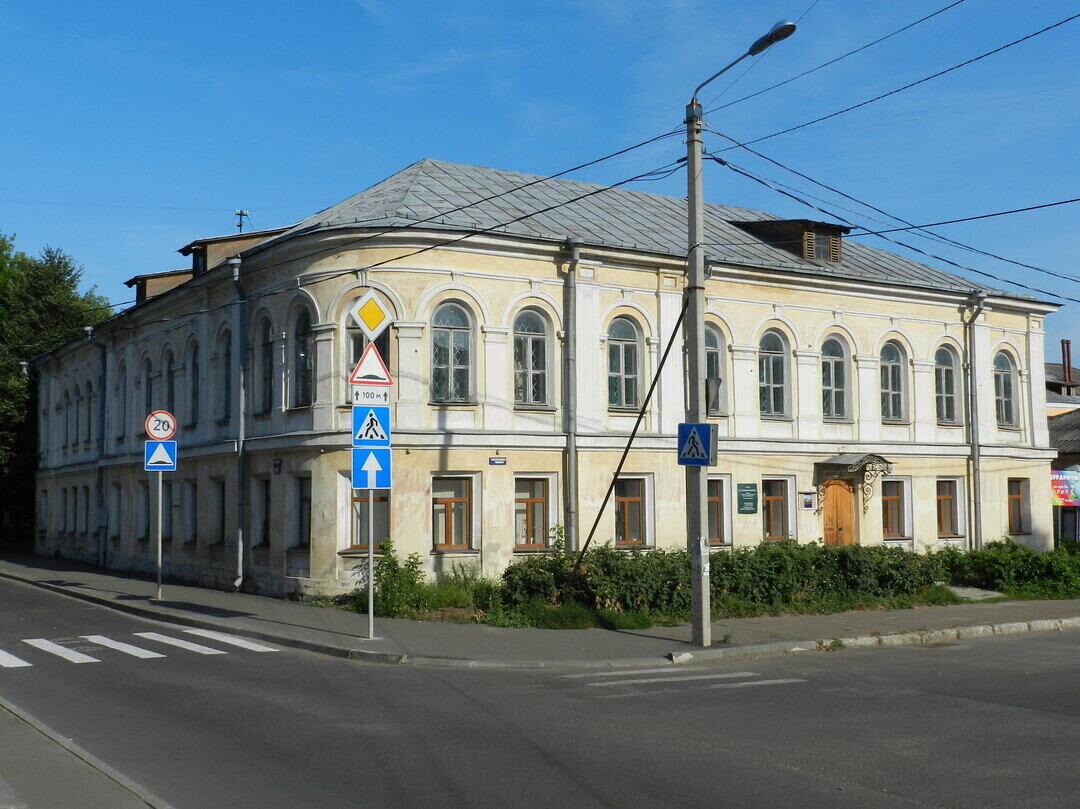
{"x": 838, "y": 512}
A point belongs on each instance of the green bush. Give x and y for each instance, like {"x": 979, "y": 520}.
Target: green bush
{"x": 1016, "y": 570}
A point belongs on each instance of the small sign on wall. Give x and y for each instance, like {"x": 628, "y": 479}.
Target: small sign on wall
{"x": 496, "y": 460}
{"x": 746, "y": 498}
{"x": 806, "y": 500}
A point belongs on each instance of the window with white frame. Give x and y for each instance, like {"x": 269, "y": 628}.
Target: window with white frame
{"x": 451, "y": 354}
{"x": 772, "y": 375}
{"x": 624, "y": 357}
{"x": 452, "y": 513}
{"x": 834, "y": 395}
{"x": 530, "y": 358}
{"x": 896, "y": 508}
{"x": 945, "y": 393}
{"x": 777, "y": 508}
{"x": 893, "y": 383}
{"x": 719, "y": 505}
{"x": 302, "y": 369}
{"x": 1005, "y": 390}
{"x": 714, "y": 371}
{"x": 379, "y": 508}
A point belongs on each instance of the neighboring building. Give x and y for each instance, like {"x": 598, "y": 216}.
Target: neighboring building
{"x": 1062, "y": 383}
{"x": 530, "y": 316}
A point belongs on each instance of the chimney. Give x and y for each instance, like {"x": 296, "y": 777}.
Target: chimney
{"x": 1066, "y": 362}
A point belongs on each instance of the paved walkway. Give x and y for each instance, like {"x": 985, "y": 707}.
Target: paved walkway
{"x": 334, "y": 631}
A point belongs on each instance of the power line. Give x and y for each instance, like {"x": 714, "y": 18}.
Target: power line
{"x": 968, "y": 218}
{"x": 909, "y": 85}
{"x": 833, "y": 61}
{"x": 835, "y": 215}
{"x": 923, "y": 233}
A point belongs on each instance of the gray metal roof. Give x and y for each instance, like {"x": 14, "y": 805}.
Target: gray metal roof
{"x": 430, "y": 190}
{"x": 1065, "y": 432}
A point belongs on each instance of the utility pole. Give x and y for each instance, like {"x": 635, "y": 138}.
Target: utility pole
{"x": 697, "y": 480}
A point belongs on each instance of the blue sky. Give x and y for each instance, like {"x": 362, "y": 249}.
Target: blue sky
{"x": 133, "y": 128}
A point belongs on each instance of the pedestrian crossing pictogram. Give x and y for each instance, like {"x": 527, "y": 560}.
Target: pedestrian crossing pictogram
{"x": 696, "y": 445}
{"x": 371, "y": 427}
{"x": 693, "y": 448}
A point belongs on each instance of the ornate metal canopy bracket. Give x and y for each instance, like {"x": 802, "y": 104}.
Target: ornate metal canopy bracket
{"x": 871, "y": 472}
{"x": 871, "y": 467}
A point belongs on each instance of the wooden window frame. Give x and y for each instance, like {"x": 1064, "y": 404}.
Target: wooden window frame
{"x": 767, "y": 502}
{"x": 892, "y": 506}
{"x": 717, "y": 509}
{"x": 623, "y": 506}
{"x": 1015, "y": 506}
{"x": 380, "y": 496}
{"x": 947, "y": 505}
{"x": 448, "y": 519}
{"x": 529, "y": 502}
{"x": 833, "y": 246}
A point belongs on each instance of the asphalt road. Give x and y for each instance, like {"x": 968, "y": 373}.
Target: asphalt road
{"x": 983, "y": 723}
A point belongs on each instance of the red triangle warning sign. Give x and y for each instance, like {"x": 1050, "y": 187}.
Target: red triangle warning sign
{"x": 371, "y": 370}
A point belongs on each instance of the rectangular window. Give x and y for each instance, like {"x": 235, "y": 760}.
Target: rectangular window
{"x": 263, "y": 491}
{"x": 775, "y": 508}
{"x": 629, "y": 512}
{"x": 43, "y": 512}
{"x": 948, "y": 522}
{"x": 303, "y": 512}
{"x": 451, "y": 513}
{"x": 718, "y": 531}
{"x": 531, "y": 512}
{"x": 191, "y": 495}
{"x": 116, "y": 505}
{"x": 166, "y": 512}
{"x": 892, "y": 509}
{"x": 219, "y": 512}
{"x": 1017, "y": 505}
{"x": 86, "y": 509}
{"x": 380, "y": 515}
{"x": 144, "y": 510}
{"x": 63, "y": 511}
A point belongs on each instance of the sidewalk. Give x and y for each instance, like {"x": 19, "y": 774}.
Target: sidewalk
{"x": 336, "y": 632}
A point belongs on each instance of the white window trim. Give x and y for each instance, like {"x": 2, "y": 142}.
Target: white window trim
{"x": 1025, "y": 506}
{"x": 647, "y": 494}
{"x": 725, "y": 493}
{"x": 475, "y": 496}
{"x": 792, "y": 512}
{"x": 960, "y": 517}
{"x": 906, "y": 518}
{"x": 553, "y": 493}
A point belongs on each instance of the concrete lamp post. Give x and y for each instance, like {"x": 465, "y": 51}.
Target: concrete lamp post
{"x": 697, "y": 518}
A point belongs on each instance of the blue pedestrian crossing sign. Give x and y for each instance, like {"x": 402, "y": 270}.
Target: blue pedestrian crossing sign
{"x": 697, "y": 444}
{"x": 371, "y": 468}
{"x": 370, "y": 426}
{"x": 159, "y": 456}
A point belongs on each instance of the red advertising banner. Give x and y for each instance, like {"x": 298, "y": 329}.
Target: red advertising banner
{"x": 1065, "y": 488}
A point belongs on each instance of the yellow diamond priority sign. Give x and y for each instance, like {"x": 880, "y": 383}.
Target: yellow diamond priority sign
{"x": 371, "y": 315}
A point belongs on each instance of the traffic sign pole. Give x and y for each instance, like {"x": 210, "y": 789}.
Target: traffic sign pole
{"x": 371, "y": 563}
{"x": 157, "y": 535}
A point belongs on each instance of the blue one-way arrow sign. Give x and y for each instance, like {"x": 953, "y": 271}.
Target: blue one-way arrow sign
{"x": 371, "y": 468}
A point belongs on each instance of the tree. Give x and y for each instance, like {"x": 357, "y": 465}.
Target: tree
{"x": 41, "y": 308}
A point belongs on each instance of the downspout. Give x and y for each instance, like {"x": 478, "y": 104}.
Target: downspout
{"x": 570, "y": 349}
{"x": 102, "y": 519}
{"x": 241, "y": 432}
{"x": 977, "y": 302}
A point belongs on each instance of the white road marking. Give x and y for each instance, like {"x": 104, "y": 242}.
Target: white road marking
{"x": 126, "y": 648}
{"x": 729, "y": 675}
{"x": 9, "y": 661}
{"x": 624, "y": 672}
{"x": 755, "y": 682}
{"x": 60, "y": 651}
{"x": 232, "y": 639}
{"x": 181, "y": 643}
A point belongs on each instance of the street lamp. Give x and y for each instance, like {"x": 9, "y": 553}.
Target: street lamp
{"x": 697, "y": 518}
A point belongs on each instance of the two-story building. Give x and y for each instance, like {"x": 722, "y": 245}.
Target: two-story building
{"x": 860, "y": 397}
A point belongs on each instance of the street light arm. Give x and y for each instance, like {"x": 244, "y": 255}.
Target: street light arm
{"x": 717, "y": 75}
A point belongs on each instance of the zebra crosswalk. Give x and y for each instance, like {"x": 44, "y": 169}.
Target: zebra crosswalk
{"x": 631, "y": 683}
{"x": 65, "y": 648}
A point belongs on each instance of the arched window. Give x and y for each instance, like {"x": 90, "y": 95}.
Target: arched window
{"x": 451, "y": 347}
{"x": 266, "y": 367}
{"x": 1005, "y": 390}
{"x": 945, "y": 385}
{"x": 530, "y": 359}
{"x": 88, "y": 413}
{"x": 303, "y": 361}
{"x": 772, "y": 375}
{"x": 892, "y": 382}
{"x": 225, "y": 375}
{"x": 121, "y": 401}
{"x": 714, "y": 371}
{"x": 77, "y": 418}
{"x": 147, "y": 382}
{"x": 834, "y": 398}
{"x": 67, "y": 418}
{"x": 194, "y": 383}
{"x": 168, "y": 368}
{"x": 623, "y": 363}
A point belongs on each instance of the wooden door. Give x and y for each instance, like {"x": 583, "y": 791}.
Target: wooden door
{"x": 838, "y": 512}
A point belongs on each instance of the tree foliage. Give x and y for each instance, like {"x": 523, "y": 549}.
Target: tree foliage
{"x": 41, "y": 307}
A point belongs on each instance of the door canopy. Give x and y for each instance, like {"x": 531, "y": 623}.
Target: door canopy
{"x": 864, "y": 469}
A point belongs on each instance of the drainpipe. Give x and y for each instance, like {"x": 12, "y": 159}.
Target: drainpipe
{"x": 241, "y": 403}
{"x": 102, "y": 527}
{"x": 570, "y": 350}
{"x": 976, "y": 302}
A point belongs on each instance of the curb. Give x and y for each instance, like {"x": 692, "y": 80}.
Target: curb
{"x": 932, "y": 637}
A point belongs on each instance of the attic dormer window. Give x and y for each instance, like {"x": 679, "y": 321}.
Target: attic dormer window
{"x": 819, "y": 246}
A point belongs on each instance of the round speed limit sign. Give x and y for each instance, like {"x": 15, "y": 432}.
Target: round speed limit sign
{"x": 160, "y": 425}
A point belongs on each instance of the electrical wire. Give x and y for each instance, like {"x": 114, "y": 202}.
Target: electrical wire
{"x": 969, "y": 218}
{"x": 907, "y": 86}
{"x": 924, "y": 234}
{"x": 833, "y": 61}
